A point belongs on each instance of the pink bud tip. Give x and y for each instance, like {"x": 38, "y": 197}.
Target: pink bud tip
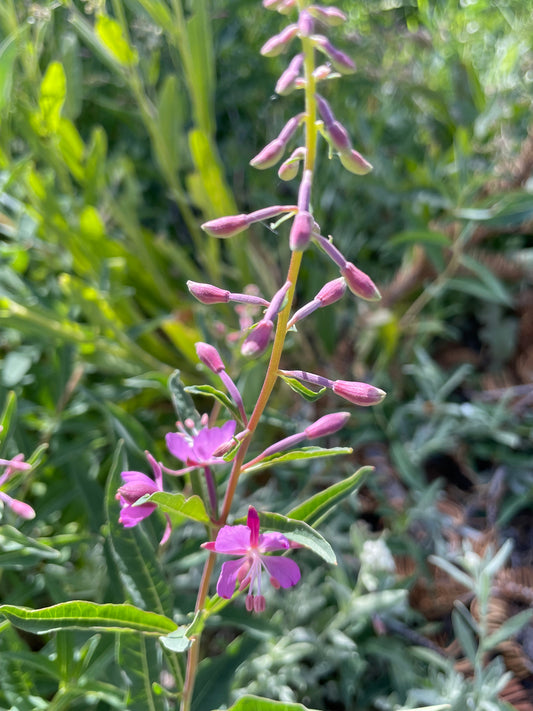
{"x": 269, "y": 156}
{"x": 331, "y": 292}
{"x": 258, "y": 339}
{"x": 325, "y": 110}
{"x": 210, "y": 357}
{"x": 286, "y": 82}
{"x": 327, "y": 425}
{"x": 280, "y": 42}
{"x": 358, "y": 393}
{"x": 306, "y": 24}
{"x": 354, "y": 162}
{"x": 208, "y": 294}
{"x": 301, "y": 231}
{"x": 339, "y": 138}
{"x": 340, "y": 61}
{"x": 331, "y": 16}
{"x": 21, "y": 509}
{"x": 360, "y": 283}
{"x": 226, "y": 226}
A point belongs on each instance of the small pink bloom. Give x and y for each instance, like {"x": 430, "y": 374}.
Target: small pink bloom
{"x": 252, "y": 547}
{"x": 136, "y": 485}
{"x": 358, "y": 393}
{"x": 199, "y": 450}
{"x": 18, "y": 507}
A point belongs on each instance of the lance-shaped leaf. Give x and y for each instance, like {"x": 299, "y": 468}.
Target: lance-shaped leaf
{"x": 19, "y": 551}
{"x": 221, "y": 397}
{"x": 323, "y": 502}
{"x": 192, "y": 508}
{"x": 299, "y": 532}
{"x": 296, "y": 455}
{"x": 183, "y": 403}
{"x": 79, "y": 614}
{"x": 301, "y": 389}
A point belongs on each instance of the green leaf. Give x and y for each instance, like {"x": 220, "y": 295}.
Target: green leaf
{"x": 51, "y": 99}
{"x": 8, "y": 54}
{"x": 140, "y": 571}
{"x": 111, "y": 35}
{"x": 299, "y": 532}
{"x": 7, "y": 415}
{"x": 78, "y": 614}
{"x": 429, "y": 237}
{"x": 19, "y": 551}
{"x": 140, "y": 659}
{"x": 296, "y": 455}
{"x": 301, "y": 389}
{"x": 177, "y": 641}
{"x": 183, "y": 403}
{"x": 192, "y": 508}
{"x": 438, "y": 707}
{"x": 221, "y": 397}
{"x": 319, "y": 504}
{"x": 509, "y": 628}
{"x": 255, "y": 703}
{"x": 464, "y": 635}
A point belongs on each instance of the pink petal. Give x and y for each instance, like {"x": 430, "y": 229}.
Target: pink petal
{"x": 132, "y": 515}
{"x": 234, "y": 540}
{"x": 283, "y": 570}
{"x": 228, "y": 577}
{"x": 273, "y": 542}
{"x": 253, "y": 524}
{"x": 178, "y": 445}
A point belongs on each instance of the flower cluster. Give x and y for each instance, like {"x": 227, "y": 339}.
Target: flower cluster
{"x": 203, "y": 447}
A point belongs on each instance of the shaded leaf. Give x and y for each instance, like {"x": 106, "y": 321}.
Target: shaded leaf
{"x": 296, "y": 455}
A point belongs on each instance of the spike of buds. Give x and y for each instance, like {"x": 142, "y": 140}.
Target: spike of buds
{"x": 278, "y": 44}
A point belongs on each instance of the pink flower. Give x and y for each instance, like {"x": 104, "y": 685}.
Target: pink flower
{"x": 18, "y": 507}
{"x": 251, "y": 546}
{"x": 200, "y": 449}
{"x": 136, "y": 485}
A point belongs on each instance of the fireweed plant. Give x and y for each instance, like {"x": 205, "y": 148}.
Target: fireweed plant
{"x": 198, "y": 445}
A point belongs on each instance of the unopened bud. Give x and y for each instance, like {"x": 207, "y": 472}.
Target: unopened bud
{"x": 21, "y": 509}
{"x": 322, "y": 72}
{"x": 358, "y": 393}
{"x": 258, "y": 339}
{"x": 339, "y": 138}
{"x": 278, "y": 44}
{"x": 286, "y": 82}
{"x": 306, "y": 24}
{"x": 271, "y": 154}
{"x": 301, "y": 231}
{"x": 331, "y": 16}
{"x": 327, "y": 425}
{"x": 288, "y": 170}
{"x": 282, "y": 6}
{"x": 207, "y": 293}
{"x": 340, "y": 61}
{"x": 360, "y": 283}
{"x": 226, "y": 226}
{"x": 210, "y": 357}
{"x": 290, "y": 127}
{"x": 355, "y": 163}
{"x": 324, "y": 110}
{"x": 331, "y": 292}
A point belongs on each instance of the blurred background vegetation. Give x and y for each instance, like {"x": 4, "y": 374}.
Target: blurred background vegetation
{"x": 126, "y": 123}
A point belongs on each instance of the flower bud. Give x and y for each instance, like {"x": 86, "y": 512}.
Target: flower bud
{"x": 301, "y": 231}
{"x": 339, "y": 138}
{"x": 21, "y": 509}
{"x": 207, "y": 293}
{"x": 327, "y": 425}
{"x": 265, "y": 213}
{"x": 306, "y": 24}
{"x": 258, "y": 339}
{"x": 322, "y": 72}
{"x": 210, "y": 357}
{"x": 226, "y": 226}
{"x": 276, "y": 304}
{"x": 360, "y": 283}
{"x": 288, "y": 170}
{"x": 358, "y": 393}
{"x": 286, "y": 82}
{"x": 331, "y": 292}
{"x": 278, "y": 44}
{"x": 330, "y": 16}
{"x": 340, "y": 61}
{"x": 354, "y": 162}
{"x": 269, "y": 156}
{"x": 290, "y": 127}
{"x": 324, "y": 110}
{"x": 282, "y": 6}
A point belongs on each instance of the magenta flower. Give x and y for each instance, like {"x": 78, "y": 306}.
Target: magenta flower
{"x": 136, "y": 485}
{"x": 200, "y": 449}
{"x": 12, "y": 465}
{"x": 252, "y": 546}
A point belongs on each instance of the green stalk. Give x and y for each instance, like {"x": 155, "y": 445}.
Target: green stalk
{"x": 271, "y": 375}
